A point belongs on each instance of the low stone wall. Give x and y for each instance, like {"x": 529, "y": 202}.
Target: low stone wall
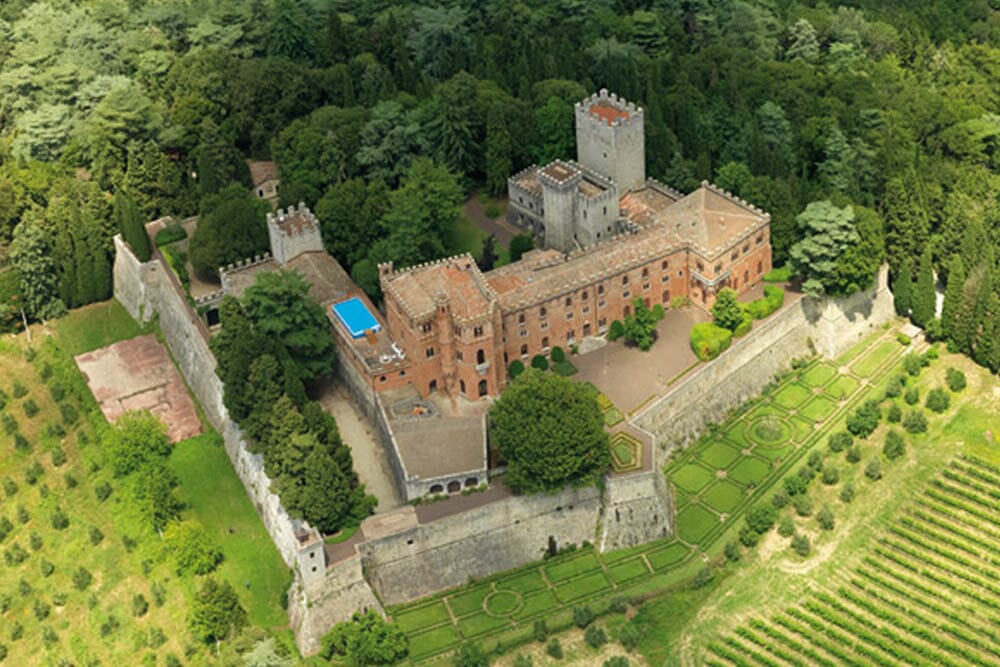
{"x": 148, "y": 289}
{"x": 710, "y": 392}
{"x": 477, "y": 543}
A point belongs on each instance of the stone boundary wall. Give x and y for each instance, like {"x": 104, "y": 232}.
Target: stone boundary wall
{"x": 708, "y": 394}
{"x": 148, "y": 289}
{"x": 638, "y": 508}
{"x": 496, "y": 537}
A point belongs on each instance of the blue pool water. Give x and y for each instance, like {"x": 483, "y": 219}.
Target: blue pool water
{"x": 355, "y": 317}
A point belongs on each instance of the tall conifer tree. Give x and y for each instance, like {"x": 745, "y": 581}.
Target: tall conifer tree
{"x": 952, "y": 294}
{"x": 902, "y": 288}
{"x": 924, "y": 295}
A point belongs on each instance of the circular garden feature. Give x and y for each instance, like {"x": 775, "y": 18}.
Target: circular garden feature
{"x": 502, "y": 603}
{"x": 769, "y": 431}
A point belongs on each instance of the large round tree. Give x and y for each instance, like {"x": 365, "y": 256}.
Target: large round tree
{"x": 550, "y": 431}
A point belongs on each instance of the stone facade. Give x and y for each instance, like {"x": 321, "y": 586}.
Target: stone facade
{"x": 610, "y": 139}
{"x": 292, "y": 233}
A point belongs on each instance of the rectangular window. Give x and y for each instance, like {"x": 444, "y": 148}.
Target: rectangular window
{"x": 601, "y": 303}
{"x": 626, "y": 294}
{"x": 524, "y": 332}
{"x": 477, "y": 331}
{"x": 429, "y": 352}
{"x": 458, "y": 355}
{"x": 586, "y": 309}
{"x": 569, "y": 315}
{"x": 544, "y": 326}
{"x": 645, "y": 286}
{"x": 426, "y": 327}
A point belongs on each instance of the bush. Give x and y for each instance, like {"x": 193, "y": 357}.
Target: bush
{"x": 554, "y": 649}
{"x": 616, "y": 330}
{"x": 96, "y": 536}
{"x": 744, "y": 327}
{"x": 773, "y": 299}
{"x": 659, "y": 312}
{"x": 540, "y": 361}
{"x": 854, "y": 454}
{"x": 40, "y": 609}
{"x": 830, "y": 474}
{"x": 761, "y": 518}
{"x": 595, "y": 637}
{"x": 795, "y": 485}
{"x": 803, "y": 505}
{"x": 171, "y": 232}
{"x": 912, "y": 396}
{"x": 46, "y": 567}
{"x": 19, "y": 390}
{"x": 33, "y": 473}
{"x": 59, "y": 519}
{"x": 786, "y": 527}
{"x": 894, "y": 445}
{"x": 9, "y": 487}
{"x": 35, "y": 541}
{"x": 847, "y": 492}
{"x": 903, "y": 339}
{"x": 557, "y": 354}
{"x": 704, "y": 577}
{"x": 708, "y": 340}
{"x": 912, "y": 364}
{"x": 9, "y": 424}
{"x": 894, "y": 388}
{"x": 521, "y": 660}
{"x": 749, "y": 538}
{"x": 515, "y": 368}
{"x": 955, "y": 379}
{"x": 781, "y": 274}
{"x": 71, "y": 482}
{"x": 82, "y": 578}
{"x": 779, "y": 499}
{"x": 192, "y": 549}
{"x": 69, "y": 415}
{"x": 5, "y": 528}
{"x": 102, "y": 491}
{"x": 58, "y": 456}
{"x": 840, "y": 441}
{"x": 22, "y": 444}
{"x": 16, "y": 631}
{"x": 22, "y": 514}
{"x": 583, "y": 616}
{"x": 139, "y": 605}
{"x": 825, "y": 518}
{"x": 629, "y": 636}
{"x": 873, "y": 470}
{"x": 894, "y": 414}
{"x": 732, "y": 552}
{"x": 800, "y": 544}
{"x": 30, "y": 408}
{"x": 865, "y": 419}
{"x": 915, "y": 422}
{"x": 930, "y": 355}
{"x": 938, "y": 400}
{"x": 540, "y": 631}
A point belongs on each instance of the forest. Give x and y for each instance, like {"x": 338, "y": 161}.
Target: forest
{"x": 384, "y": 116}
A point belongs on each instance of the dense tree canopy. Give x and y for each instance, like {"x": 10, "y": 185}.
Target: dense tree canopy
{"x": 550, "y": 431}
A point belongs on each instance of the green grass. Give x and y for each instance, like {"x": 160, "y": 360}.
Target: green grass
{"x": 781, "y": 274}
{"x": 628, "y": 570}
{"x": 671, "y": 555}
{"x": 692, "y": 477}
{"x": 723, "y": 496}
{"x": 570, "y": 568}
{"x": 95, "y": 326}
{"x": 523, "y": 583}
{"x": 421, "y": 617}
{"x": 842, "y": 387}
{"x": 536, "y": 603}
{"x": 564, "y": 368}
{"x": 468, "y": 602}
{"x": 215, "y": 497}
{"x": 769, "y": 431}
{"x": 750, "y": 471}
{"x": 819, "y": 408}
{"x": 819, "y": 375}
{"x": 481, "y": 623}
{"x": 432, "y": 641}
{"x": 585, "y": 586}
{"x": 872, "y": 360}
{"x": 719, "y": 455}
{"x": 613, "y": 416}
{"x": 502, "y": 603}
{"x": 802, "y": 429}
{"x": 792, "y": 395}
{"x": 694, "y": 522}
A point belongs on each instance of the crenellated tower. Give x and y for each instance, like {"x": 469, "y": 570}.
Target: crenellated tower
{"x": 610, "y": 139}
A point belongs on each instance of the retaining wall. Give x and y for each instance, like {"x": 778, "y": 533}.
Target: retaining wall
{"x": 148, "y": 289}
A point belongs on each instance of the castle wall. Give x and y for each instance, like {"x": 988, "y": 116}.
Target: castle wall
{"x": 496, "y": 537}
{"x": 638, "y": 508}
{"x": 149, "y": 288}
{"x": 710, "y": 392}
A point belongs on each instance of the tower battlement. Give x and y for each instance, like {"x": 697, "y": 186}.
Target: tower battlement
{"x": 292, "y": 232}
{"x": 608, "y": 109}
{"x": 610, "y": 139}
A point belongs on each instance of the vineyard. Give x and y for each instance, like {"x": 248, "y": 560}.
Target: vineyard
{"x": 928, "y": 592}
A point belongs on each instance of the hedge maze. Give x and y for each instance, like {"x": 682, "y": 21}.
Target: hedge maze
{"x": 714, "y": 481}
{"x": 928, "y": 593}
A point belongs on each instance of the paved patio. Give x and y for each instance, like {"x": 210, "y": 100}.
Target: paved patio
{"x": 629, "y": 376}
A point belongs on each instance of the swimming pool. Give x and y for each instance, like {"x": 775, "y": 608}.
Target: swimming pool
{"x": 355, "y": 317}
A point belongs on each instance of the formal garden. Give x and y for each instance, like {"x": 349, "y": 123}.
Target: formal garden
{"x": 714, "y": 480}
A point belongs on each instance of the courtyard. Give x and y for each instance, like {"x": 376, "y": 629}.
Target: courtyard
{"x": 714, "y": 480}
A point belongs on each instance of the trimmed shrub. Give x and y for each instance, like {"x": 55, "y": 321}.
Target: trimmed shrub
{"x": 616, "y": 330}
{"x": 786, "y": 527}
{"x": 629, "y": 636}
{"x": 825, "y": 518}
{"x": 583, "y": 616}
{"x": 554, "y": 649}
{"x": 912, "y": 396}
{"x": 915, "y": 422}
{"x": 955, "y": 379}
{"x": 40, "y": 609}
{"x": 71, "y": 482}
{"x": 659, "y": 312}
{"x": 540, "y": 631}
{"x": 803, "y": 505}
{"x": 46, "y": 567}
{"x": 903, "y": 339}
{"x": 5, "y": 528}
{"x": 540, "y": 362}
{"x": 21, "y": 443}
{"x": 515, "y": 368}
{"x": 873, "y": 470}
{"x": 773, "y": 299}
{"x": 30, "y": 408}
{"x": 16, "y": 631}
{"x": 840, "y": 441}
{"x": 708, "y": 340}
{"x": 33, "y": 473}
{"x": 58, "y": 392}
{"x": 9, "y": 424}
{"x": 595, "y": 637}
{"x": 19, "y": 390}
{"x": 913, "y": 364}
{"x": 894, "y": 445}
{"x": 744, "y": 327}
{"x": 58, "y": 456}
{"x": 59, "y": 519}
{"x": 847, "y": 492}
{"x": 9, "y": 487}
{"x": 82, "y": 578}
{"x": 894, "y": 414}
{"x": 557, "y": 354}
{"x": 704, "y": 577}
{"x": 801, "y": 545}
{"x": 35, "y": 541}
{"x": 732, "y": 552}
{"x": 779, "y": 499}
{"x": 938, "y": 400}
{"x": 830, "y": 474}
{"x": 69, "y": 415}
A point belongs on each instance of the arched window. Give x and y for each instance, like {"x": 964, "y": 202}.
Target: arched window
{"x": 461, "y": 386}
{"x": 666, "y": 296}
{"x": 542, "y": 312}
{"x": 569, "y": 301}
{"x": 480, "y": 357}
{"x": 432, "y": 387}
{"x": 545, "y": 342}
{"x": 483, "y": 387}
{"x": 584, "y": 295}
{"x": 471, "y": 481}
{"x": 524, "y": 350}
{"x": 454, "y": 486}
{"x": 520, "y": 318}
{"x": 437, "y": 488}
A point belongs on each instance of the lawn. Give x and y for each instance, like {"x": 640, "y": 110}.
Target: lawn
{"x": 581, "y": 587}
{"x": 570, "y": 568}
{"x": 792, "y": 395}
{"x": 749, "y": 471}
{"x": 694, "y": 522}
{"x": 819, "y": 375}
{"x": 465, "y": 236}
{"x": 95, "y": 326}
{"x": 842, "y": 387}
{"x": 671, "y": 555}
{"x": 215, "y": 497}
{"x": 692, "y": 477}
{"x": 628, "y": 570}
{"x": 819, "y": 408}
{"x": 523, "y": 583}
{"x": 723, "y": 496}
{"x": 719, "y": 455}
{"x": 873, "y": 359}
{"x": 466, "y": 603}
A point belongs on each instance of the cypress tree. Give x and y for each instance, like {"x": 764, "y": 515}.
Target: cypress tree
{"x": 924, "y": 297}
{"x": 498, "y": 151}
{"x": 902, "y": 288}
{"x": 969, "y": 310}
{"x": 130, "y": 226}
{"x": 952, "y": 294}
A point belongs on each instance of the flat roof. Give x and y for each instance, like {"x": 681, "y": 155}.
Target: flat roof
{"x": 356, "y": 317}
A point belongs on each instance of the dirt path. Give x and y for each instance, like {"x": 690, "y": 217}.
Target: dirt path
{"x": 369, "y": 456}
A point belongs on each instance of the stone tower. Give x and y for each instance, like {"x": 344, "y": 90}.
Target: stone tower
{"x": 610, "y": 139}
{"x": 293, "y": 232}
{"x": 559, "y": 194}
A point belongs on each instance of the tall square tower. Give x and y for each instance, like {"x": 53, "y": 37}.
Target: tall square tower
{"x": 610, "y": 139}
